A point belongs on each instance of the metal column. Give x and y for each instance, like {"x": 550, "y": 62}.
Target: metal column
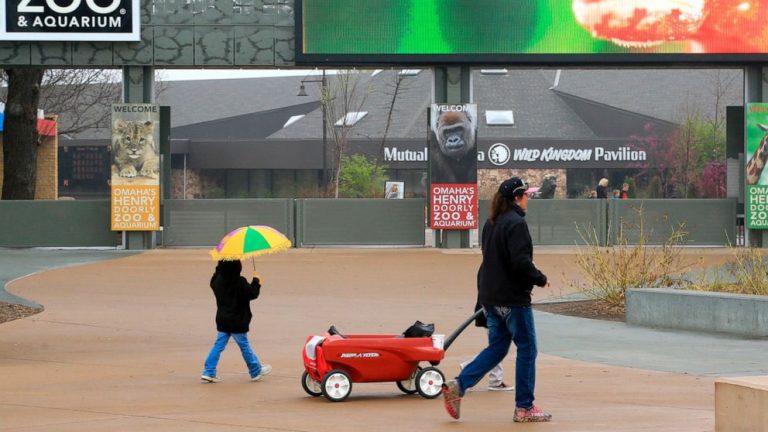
{"x": 138, "y": 87}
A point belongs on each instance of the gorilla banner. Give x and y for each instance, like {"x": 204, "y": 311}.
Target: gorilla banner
{"x": 453, "y": 166}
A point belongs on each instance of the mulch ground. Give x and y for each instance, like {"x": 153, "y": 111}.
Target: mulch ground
{"x": 594, "y": 309}
{"x": 10, "y": 311}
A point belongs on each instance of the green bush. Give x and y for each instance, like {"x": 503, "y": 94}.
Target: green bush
{"x": 361, "y": 178}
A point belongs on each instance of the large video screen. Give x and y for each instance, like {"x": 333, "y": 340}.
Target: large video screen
{"x": 532, "y": 30}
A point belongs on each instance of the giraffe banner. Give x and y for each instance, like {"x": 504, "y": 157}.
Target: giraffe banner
{"x": 756, "y": 155}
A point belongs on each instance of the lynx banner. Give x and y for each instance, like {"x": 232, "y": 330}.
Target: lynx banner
{"x": 453, "y": 166}
{"x": 756, "y": 200}
{"x": 135, "y": 167}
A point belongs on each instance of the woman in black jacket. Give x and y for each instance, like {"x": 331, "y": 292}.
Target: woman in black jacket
{"x": 505, "y": 281}
{"x": 233, "y": 316}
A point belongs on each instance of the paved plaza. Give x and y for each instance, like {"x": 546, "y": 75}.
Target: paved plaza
{"x": 123, "y": 336}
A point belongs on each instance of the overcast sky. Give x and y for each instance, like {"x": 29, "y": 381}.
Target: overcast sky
{"x": 199, "y": 74}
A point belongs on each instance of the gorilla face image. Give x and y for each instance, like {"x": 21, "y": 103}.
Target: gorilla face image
{"x": 453, "y": 154}
{"x": 455, "y": 134}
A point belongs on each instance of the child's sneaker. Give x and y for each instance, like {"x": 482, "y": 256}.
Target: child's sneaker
{"x": 452, "y": 398}
{"x": 210, "y": 378}
{"x": 265, "y": 370}
{"x": 501, "y": 387}
{"x": 533, "y": 414}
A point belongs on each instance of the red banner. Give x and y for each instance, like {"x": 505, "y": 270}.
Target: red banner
{"x": 453, "y": 206}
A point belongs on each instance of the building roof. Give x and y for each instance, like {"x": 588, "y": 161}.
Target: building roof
{"x": 206, "y": 100}
{"x": 538, "y": 112}
{"x": 658, "y": 93}
{"x": 546, "y": 103}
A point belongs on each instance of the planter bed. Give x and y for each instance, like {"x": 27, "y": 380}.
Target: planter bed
{"x": 738, "y": 314}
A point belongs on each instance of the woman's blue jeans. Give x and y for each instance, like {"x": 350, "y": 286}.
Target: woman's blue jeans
{"x": 507, "y": 325}
{"x": 254, "y": 365}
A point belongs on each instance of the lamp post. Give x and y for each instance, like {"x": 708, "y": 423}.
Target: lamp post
{"x": 323, "y": 101}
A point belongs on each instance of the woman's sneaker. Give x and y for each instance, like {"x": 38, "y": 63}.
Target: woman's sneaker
{"x": 501, "y": 387}
{"x": 533, "y": 414}
{"x": 265, "y": 370}
{"x": 452, "y": 398}
{"x": 210, "y": 378}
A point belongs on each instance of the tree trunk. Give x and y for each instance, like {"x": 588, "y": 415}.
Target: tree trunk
{"x": 20, "y": 138}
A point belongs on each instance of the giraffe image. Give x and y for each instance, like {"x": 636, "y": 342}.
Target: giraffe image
{"x": 759, "y": 157}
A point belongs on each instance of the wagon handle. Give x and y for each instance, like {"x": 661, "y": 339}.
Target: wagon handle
{"x": 451, "y": 337}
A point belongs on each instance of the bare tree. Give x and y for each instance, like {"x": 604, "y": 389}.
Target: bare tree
{"x": 20, "y": 137}
{"x": 343, "y": 98}
{"x": 394, "y": 89}
{"x": 82, "y": 99}
{"x": 719, "y": 84}
{"x": 684, "y": 165}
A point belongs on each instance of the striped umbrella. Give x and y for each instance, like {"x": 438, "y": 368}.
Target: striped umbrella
{"x": 249, "y": 242}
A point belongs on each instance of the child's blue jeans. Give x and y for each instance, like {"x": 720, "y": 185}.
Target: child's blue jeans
{"x": 254, "y": 365}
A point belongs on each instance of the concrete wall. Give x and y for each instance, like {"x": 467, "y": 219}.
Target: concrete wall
{"x": 707, "y": 221}
{"x": 308, "y": 222}
{"x": 360, "y": 222}
{"x": 47, "y": 183}
{"x": 56, "y": 223}
{"x": 743, "y": 315}
{"x": 205, "y": 222}
{"x": 554, "y": 222}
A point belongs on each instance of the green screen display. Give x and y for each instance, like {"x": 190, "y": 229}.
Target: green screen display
{"x": 534, "y": 27}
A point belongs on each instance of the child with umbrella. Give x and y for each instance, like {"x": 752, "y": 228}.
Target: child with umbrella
{"x": 234, "y": 294}
{"x": 233, "y": 316}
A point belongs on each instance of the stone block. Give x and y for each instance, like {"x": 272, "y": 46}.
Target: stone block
{"x": 740, "y": 404}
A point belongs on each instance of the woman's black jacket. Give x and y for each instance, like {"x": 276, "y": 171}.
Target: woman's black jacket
{"x": 507, "y": 274}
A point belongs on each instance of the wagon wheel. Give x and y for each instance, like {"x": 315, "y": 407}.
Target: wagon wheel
{"x": 409, "y": 386}
{"x": 337, "y": 385}
{"x": 429, "y": 382}
{"x": 311, "y": 385}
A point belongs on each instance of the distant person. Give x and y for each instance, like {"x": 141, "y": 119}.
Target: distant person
{"x": 616, "y": 194}
{"x": 592, "y": 194}
{"x": 496, "y": 375}
{"x": 548, "y": 186}
{"x": 233, "y": 316}
{"x": 602, "y": 188}
{"x": 505, "y": 281}
{"x": 624, "y": 191}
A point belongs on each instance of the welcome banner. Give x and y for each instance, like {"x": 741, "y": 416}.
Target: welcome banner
{"x": 453, "y": 166}
{"x": 135, "y": 177}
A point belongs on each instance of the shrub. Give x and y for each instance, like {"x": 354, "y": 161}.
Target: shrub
{"x": 361, "y": 178}
{"x": 611, "y": 270}
{"x": 746, "y": 273}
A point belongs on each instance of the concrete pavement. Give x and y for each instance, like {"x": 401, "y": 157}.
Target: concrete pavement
{"x": 121, "y": 344}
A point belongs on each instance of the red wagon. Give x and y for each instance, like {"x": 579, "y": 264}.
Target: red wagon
{"x": 333, "y": 361}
